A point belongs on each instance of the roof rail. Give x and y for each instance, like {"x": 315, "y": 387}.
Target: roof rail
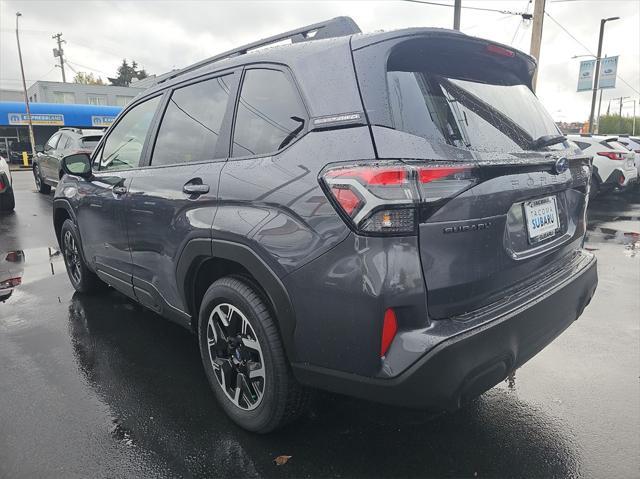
{"x": 335, "y": 27}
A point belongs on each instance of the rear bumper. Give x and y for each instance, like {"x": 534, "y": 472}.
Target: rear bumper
{"x": 622, "y": 178}
{"x": 467, "y": 364}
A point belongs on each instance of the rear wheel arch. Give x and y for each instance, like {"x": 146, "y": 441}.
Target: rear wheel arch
{"x": 203, "y": 261}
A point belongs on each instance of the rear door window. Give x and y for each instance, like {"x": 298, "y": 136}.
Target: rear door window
{"x": 191, "y": 124}
{"x": 270, "y": 113}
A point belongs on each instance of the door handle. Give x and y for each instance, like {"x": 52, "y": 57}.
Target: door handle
{"x": 119, "y": 190}
{"x": 195, "y": 189}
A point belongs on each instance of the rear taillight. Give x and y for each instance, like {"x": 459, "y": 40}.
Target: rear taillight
{"x": 382, "y": 198}
{"x": 611, "y": 155}
{"x": 10, "y": 283}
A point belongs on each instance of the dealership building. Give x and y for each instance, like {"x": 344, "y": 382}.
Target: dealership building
{"x": 47, "y": 118}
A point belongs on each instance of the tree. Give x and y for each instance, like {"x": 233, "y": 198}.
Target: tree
{"x": 126, "y": 73}
{"x": 87, "y": 79}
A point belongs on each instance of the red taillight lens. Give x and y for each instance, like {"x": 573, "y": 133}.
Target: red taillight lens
{"x": 611, "y": 155}
{"x": 2, "y": 185}
{"x": 381, "y": 198}
{"x": 389, "y": 330}
{"x": 372, "y": 175}
{"x": 347, "y": 199}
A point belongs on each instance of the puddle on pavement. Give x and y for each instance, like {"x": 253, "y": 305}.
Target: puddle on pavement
{"x": 20, "y": 267}
{"x": 629, "y": 240}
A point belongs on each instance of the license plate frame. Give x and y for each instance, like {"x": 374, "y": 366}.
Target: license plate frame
{"x": 541, "y": 218}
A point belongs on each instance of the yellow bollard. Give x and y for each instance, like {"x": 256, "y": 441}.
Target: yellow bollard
{"x": 25, "y": 159}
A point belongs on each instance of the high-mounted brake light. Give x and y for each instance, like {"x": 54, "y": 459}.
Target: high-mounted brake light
{"x": 381, "y": 198}
{"x": 497, "y": 50}
{"x": 611, "y": 155}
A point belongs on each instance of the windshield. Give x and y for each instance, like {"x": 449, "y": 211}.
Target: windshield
{"x": 466, "y": 113}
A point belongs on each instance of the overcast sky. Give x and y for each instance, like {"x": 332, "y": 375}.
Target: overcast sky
{"x": 161, "y": 35}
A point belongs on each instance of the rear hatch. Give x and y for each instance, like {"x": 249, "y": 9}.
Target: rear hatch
{"x": 513, "y": 209}
{"x": 617, "y": 151}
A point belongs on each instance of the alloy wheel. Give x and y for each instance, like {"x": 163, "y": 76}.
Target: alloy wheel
{"x": 236, "y": 356}
{"x": 72, "y": 257}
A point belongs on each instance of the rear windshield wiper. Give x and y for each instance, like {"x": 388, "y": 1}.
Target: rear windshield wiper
{"x": 546, "y": 140}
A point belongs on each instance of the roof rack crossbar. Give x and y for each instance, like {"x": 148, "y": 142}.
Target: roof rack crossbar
{"x": 335, "y": 27}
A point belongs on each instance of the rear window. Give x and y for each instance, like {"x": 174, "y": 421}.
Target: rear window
{"x": 470, "y": 107}
{"x": 90, "y": 142}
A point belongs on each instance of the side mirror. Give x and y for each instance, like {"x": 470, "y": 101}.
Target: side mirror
{"x": 78, "y": 165}
{"x": 39, "y": 149}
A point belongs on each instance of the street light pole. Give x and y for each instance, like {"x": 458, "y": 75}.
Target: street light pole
{"x": 596, "y": 73}
{"x": 26, "y": 97}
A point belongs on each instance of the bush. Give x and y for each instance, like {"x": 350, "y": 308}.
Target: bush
{"x": 610, "y": 124}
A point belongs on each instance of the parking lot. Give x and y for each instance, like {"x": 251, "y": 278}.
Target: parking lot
{"x": 100, "y": 387}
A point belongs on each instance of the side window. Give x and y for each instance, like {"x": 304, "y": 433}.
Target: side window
{"x": 53, "y": 141}
{"x": 65, "y": 143}
{"x": 191, "y": 124}
{"x": 123, "y": 147}
{"x": 582, "y": 145}
{"x": 270, "y": 113}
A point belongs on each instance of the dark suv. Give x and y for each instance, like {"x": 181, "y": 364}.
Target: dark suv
{"x": 392, "y": 216}
{"x": 47, "y": 165}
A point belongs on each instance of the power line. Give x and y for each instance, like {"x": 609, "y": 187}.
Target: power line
{"x": 483, "y": 9}
{"x": 587, "y": 49}
{"x": 87, "y": 67}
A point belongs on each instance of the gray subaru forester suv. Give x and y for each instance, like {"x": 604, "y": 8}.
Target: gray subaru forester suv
{"x": 392, "y": 216}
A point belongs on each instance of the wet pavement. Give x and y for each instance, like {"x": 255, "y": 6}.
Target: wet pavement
{"x": 99, "y": 387}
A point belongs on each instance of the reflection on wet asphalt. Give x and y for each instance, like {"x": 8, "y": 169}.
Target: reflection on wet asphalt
{"x": 96, "y": 386}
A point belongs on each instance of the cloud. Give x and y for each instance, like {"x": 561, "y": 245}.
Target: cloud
{"x": 161, "y": 35}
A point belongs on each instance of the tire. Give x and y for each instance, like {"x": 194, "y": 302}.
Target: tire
{"x": 7, "y": 201}
{"x": 82, "y": 278}
{"x": 258, "y": 351}
{"x": 594, "y": 190}
{"x": 41, "y": 186}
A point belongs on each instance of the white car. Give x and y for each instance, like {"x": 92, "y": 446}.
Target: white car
{"x": 613, "y": 164}
{"x": 7, "y": 200}
{"x": 11, "y": 271}
{"x": 632, "y": 143}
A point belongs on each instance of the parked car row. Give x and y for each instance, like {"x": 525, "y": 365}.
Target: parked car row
{"x": 614, "y": 164}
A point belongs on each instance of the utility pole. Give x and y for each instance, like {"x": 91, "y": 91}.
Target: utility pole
{"x": 59, "y": 52}
{"x": 26, "y": 97}
{"x": 457, "y": 10}
{"x": 596, "y": 73}
{"x": 536, "y": 37}
{"x": 620, "y": 99}
{"x": 620, "y": 120}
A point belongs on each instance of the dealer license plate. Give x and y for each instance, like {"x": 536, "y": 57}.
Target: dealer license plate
{"x": 542, "y": 218}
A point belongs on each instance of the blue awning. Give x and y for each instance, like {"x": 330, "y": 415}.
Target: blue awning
{"x": 14, "y": 113}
